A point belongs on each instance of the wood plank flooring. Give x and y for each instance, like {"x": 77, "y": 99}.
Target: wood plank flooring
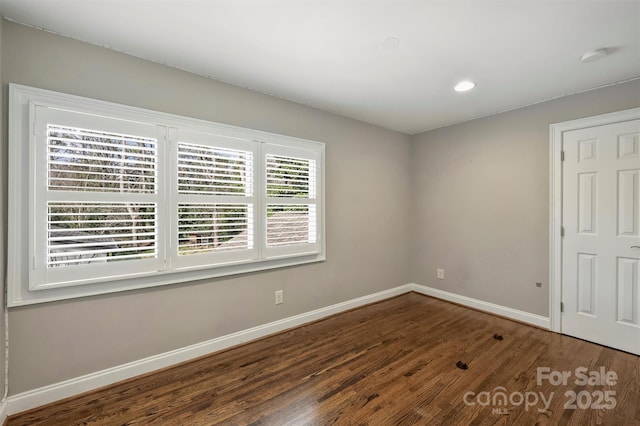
{"x": 391, "y": 363}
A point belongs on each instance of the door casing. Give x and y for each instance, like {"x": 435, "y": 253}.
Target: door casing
{"x": 555, "y": 220}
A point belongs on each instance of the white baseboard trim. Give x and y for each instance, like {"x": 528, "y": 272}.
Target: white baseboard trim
{"x": 57, "y": 391}
{"x": 515, "y": 314}
{"x": 3, "y": 411}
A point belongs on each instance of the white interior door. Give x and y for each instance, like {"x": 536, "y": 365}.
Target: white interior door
{"x": 601, "y": 244}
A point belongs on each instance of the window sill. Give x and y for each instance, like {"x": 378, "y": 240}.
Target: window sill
{"x": 156, "y": 279}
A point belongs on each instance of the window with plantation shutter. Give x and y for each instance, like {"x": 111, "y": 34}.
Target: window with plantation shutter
{"x": 291, "y": 202}
{"x": 98, "y": 161}
{"x": 97, "y": 200}
{"x": 215, "y": 199}
{"x": 105, "y": 198}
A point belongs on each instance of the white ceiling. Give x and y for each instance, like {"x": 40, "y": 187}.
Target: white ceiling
{"x": 336, "y": 55}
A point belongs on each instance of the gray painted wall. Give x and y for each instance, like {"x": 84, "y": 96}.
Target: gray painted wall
{"x": 367, "y": 191}
{"x": 481, "y": 205}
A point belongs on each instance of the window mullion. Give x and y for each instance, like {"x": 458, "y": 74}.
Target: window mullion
{"x": 171, "y": 197}
{"x": 163, "y": 196}
{"x": 260, "y": 209}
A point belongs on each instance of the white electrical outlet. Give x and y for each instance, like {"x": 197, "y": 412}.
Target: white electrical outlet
{"x": 440, "y": 273}
{"x": 279, "y": 297}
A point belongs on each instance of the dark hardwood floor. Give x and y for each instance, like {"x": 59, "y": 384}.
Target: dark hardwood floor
{"x": 390, "y": 363}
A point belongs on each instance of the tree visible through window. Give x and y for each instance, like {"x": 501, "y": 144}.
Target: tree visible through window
{"x": 96, "y": 161}
{"x": 208, "y": 173}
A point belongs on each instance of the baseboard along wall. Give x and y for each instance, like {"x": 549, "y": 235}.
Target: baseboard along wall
{"x": 503, "y": 311}
{"x": 34, "y": 398}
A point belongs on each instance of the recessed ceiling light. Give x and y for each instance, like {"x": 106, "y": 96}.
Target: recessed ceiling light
{"x": 593, "y": 55}
{"x": 464, "y": 86}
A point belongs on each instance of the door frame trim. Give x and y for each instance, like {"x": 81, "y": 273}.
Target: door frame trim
{"x": 556, "y": 132}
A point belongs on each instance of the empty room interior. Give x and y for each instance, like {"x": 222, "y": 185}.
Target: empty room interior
{"x": 317, "y": 212}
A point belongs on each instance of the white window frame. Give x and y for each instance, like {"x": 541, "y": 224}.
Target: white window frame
{"x": 24, "y": 175}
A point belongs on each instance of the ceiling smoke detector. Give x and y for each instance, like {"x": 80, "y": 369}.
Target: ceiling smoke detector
{"x": 593, "y": 55}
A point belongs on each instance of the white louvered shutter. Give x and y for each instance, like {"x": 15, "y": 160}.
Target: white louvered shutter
{"x": 291, "y": 208}
{"x": 96, "y": 208}
{"x": 106, "y": 197}
{"x": 215, "y": 200}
